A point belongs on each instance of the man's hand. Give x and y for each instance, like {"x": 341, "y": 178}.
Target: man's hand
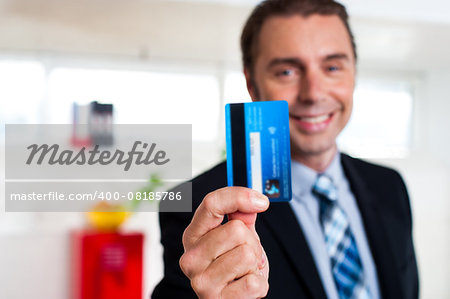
{"x": 226, "y": 261}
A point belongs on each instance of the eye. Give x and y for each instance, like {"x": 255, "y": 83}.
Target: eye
{"x": 333, "y": 68}
{"x": 285, "y": 73}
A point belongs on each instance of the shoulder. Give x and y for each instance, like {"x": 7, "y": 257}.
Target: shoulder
{"x": 371, "y": 173}
{"x": 384, "y": 184}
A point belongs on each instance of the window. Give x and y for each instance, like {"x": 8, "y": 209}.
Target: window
{"x": 139, "y": 97}
{"x": 380, "y": 126}
{"x": 22, "y": 92}
{"x": 235, "y": 90}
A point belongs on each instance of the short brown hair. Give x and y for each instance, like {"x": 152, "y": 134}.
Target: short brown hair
{"x": 271, "y": 8}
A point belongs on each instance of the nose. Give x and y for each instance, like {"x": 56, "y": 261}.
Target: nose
{"x": 311, "y": 86}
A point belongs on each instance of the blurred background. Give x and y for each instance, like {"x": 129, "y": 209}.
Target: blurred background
{"x": 179, "y": 62}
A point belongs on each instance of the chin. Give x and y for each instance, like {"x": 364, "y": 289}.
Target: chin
{"x": 307, "y": 147}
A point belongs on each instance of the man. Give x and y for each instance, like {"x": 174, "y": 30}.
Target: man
{"x": 347, "y": 231}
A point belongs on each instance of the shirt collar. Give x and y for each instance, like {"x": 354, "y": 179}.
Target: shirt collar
{"x": 303, "y": 177}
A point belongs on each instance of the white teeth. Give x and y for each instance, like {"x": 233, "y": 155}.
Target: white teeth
{"x": 315, "y": 120}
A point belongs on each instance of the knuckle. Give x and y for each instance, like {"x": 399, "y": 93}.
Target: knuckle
{"x": 199, "y": 285}
{"x": 252, "y": 284}
{"x": 188, "y": 263}
{"x": 247, "y": 194}
{"x": 264, "y": 288}
{"x": 209, "y": 201}
{"x": 239, "y": 230}
{"x": 184, "y": 238}
{"x": 185, "y": 264}
{"x": 241, "y": 197}
{"x": 248, "y": 254}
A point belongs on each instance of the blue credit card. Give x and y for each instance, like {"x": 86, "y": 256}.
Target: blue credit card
{"x": 258, "y": 148}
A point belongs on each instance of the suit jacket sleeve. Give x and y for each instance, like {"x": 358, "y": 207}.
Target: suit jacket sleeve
{"x": 409, "y": 273}
{"x": 175, "y": 284}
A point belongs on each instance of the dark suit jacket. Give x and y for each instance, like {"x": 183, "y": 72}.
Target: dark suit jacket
{"x": 384, "y": 205}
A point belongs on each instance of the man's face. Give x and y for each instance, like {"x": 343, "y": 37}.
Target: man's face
{"x": 309, "y": 63}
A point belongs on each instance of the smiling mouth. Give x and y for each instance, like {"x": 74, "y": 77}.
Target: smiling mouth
{"x": 313, "y": 119}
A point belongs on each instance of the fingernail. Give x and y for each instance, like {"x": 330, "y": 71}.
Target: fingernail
{"x": 259, "y": 202}
{"x": 263, "y": 261}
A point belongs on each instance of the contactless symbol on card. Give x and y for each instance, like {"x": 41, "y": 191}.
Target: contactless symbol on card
{"x": 258, "y": 148}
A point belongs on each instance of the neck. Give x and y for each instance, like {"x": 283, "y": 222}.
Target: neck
{"x": 317, "y": 161}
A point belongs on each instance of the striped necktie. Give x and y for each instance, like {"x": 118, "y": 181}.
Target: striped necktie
{"x": 341, "y": 246}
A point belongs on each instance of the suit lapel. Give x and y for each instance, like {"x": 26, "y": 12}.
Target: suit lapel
{"x": 375, "y": 228}
{"x": 281, "y": 221}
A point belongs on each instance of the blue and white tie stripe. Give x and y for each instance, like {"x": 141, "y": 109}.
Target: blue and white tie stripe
{"x": 341, "y": 246}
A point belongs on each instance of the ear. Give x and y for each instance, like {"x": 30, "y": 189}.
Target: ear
{"x": 250, "y": 85}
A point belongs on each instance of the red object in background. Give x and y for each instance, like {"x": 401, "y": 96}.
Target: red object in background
{"x": 107, "y": 265}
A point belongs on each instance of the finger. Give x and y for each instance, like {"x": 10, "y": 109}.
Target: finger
{"x": 264, "y": 269}
{"x": 249, "y": 219}
{"x": 217, "y": 204}
{"x": 252, "y": 285}
{"x": 217, "y": 242}
{"x": 232, "y": 265}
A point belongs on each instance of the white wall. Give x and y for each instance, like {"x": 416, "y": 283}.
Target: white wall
{"x": 427, "y": 179}
{"x": 438, "y": 102}
{"x": 33, "y": 248}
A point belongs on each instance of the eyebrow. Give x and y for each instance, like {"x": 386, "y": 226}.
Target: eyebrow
{"x": 287, "y": 60}
{"x": 298, "y": 62}
{"x": 337, "y": 56}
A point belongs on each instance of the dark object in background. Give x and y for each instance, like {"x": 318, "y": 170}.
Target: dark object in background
{"x": 100, "y": 123}
{"x": 92, "y": 124}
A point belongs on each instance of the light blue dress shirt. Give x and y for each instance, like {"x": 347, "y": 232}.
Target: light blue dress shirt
{"x": 306, "y": 209}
